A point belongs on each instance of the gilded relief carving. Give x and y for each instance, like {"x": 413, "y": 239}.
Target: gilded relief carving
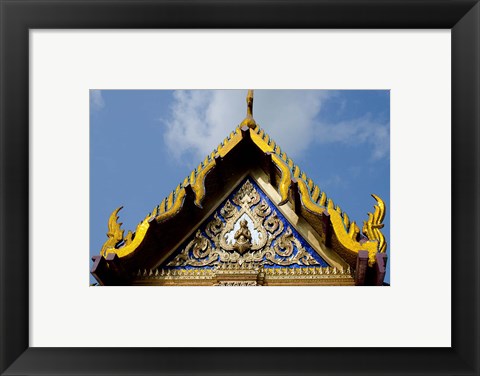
{"x": 284, "y": 247}
{"x": 263, "y": 210}
{"x": 251, "y": 234}
{"x": 228, "y": 210}
{"x": 214, "y": 227}
{"x": 243, "y": 238}
{"x": 247, "y": 195}
{"x": 201, "y": 252}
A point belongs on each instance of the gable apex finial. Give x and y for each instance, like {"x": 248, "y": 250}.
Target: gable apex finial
{"x": 249, "y": 121}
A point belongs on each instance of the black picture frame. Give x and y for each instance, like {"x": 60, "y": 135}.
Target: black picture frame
{"x": 18, "y": 16}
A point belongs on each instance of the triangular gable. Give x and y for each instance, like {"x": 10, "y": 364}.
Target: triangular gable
{"x": 246, "y": 228}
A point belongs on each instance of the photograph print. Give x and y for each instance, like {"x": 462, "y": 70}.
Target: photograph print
{"x": 239, "y": 187}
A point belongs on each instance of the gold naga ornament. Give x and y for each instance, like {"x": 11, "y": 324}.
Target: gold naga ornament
{"x": 312, "y": 198}
{"x": 371, "y": 227}
{"x": 114, "y": 234}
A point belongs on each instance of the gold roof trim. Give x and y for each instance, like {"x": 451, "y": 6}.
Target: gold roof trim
{"x": 236, "y": 269}
{"x": 230, "y": 276}
{"x": 312, "y": 198}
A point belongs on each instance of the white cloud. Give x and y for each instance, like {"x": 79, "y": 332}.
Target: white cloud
{"x": 96, "y": 100}
{"x": 334, "y": 181}
{"x": 289, "y": 116}
{"x": 357, "y": 131}
{"x": 201, "y": 119}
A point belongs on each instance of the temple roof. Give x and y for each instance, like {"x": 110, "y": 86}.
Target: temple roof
{"x": 247, "y": 151}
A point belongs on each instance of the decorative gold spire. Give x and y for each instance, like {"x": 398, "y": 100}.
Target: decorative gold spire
{"x": 249, "y": 121}
{"x": 250, "y": 103}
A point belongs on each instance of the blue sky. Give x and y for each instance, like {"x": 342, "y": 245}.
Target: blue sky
{"x": 144, "y": 142}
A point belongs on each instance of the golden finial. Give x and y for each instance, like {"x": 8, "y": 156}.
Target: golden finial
{"x": 250, "y": 103}
{"x": 249, "y": 121}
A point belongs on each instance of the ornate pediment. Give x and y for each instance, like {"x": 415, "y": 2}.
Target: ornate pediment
{"x": 247, "y": 230}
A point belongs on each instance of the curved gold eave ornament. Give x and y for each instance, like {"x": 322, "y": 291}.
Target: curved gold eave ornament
{"x": 345, "y": 231}
{"x": 114, "y": 234}
{"x": 371, "y": 227}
